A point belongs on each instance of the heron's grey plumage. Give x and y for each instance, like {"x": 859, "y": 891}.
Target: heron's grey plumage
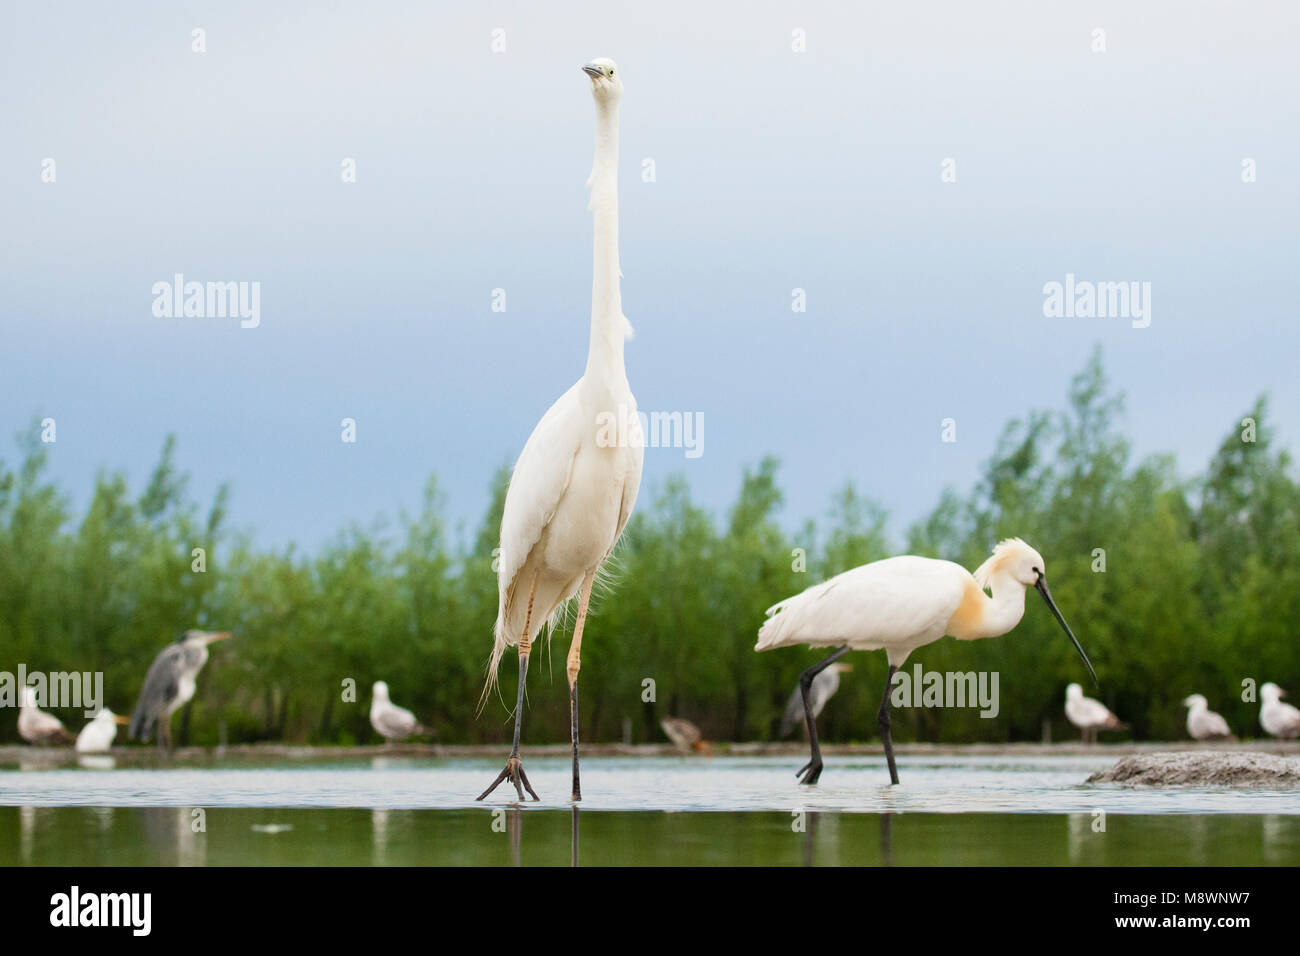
{"x": 823, "y": 688}
{"x": 170, "y": 683}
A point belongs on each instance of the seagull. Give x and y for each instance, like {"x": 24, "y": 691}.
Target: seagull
{"x": 389, "y": 720}
{"x": 823, "y": 688}
{"x": 36, "y": 726}
{"x": 1203, "y": 723}
{"x": 898, "y": 605}
{"x": 685, "y": 735}
{"x": 1277, "y": 718}
{"x": 169, "y": 685}
{"x": 97, "y": 736}
{"x": 1089, "y": 715}
{"x": 576, "y": 481}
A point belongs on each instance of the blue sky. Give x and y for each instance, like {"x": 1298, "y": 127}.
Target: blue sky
{"x": 775, "y": 170}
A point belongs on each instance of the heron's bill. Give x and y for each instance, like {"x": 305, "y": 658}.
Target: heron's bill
{"x": 221, "y": 636}
{"x": 119, "y": 719}
{"x": 1041, "y": 585}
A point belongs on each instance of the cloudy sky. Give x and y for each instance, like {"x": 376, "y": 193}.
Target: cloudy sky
{"x": 774, "y": 170}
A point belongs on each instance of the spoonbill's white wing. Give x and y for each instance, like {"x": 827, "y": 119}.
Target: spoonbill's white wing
{"x": 898, "y": 603}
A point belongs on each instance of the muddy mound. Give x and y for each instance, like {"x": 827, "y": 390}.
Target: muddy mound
{"x": 1202, "y": 769}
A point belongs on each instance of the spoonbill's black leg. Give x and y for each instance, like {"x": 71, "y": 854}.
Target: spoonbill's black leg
{"x": 812, "y": 770}
{"x": 883, "y": 719}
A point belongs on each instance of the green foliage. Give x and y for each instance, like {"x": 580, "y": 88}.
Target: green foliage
{"x": 1201, "y": 585}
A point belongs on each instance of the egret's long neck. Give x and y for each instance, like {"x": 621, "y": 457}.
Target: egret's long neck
{"x": 608, "y": 327}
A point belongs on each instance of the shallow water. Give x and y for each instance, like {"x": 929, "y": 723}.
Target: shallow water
{"x": 950, "y": 784}
{"x": 392, "y": 810}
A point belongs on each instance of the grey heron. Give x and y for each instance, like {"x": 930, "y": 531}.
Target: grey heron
{"x": 36, "y": 726}
{"x": 823, "y": 688}
{"x": 170, "y": 684}
{"x": 97, "y": 736}
{"x": 390, "y": 721}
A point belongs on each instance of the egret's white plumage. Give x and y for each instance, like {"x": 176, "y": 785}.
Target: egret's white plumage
{"x": 98, "y": 735}
{"x": 823, "y": 688}
{"x": 1277, "y": 717}
{"x": 390, "y": 721}
{"x": 575, "y": 483}
{"x": 36, "y": 726}
{"x": 1203, "y": 723}
{"x": 1089, "y": 715}
{"x": 900, "y": 604}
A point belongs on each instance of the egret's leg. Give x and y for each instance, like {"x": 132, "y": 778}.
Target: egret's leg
{"x": 883, "y": 719}
{"x": 514, "y": 768}
{"x": 575, "y": 665}
{"x": 812, "y": 770}
{"x": 164, "y": 734}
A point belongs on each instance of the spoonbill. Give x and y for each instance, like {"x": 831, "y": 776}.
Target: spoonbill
{"x": 898, "y": 605}
{"x": 1277, "y": 718}
{"x": 36, "y": 726}
{"x": 823, "y": 688}
{"x": 170, "y": 684}
{"x": 1203, "y": 723}
{"x": 390, "y": 721}
{"x": 97, "y": 736}
{"x": 685, "y": 736}
{"x": 576, "y": 481}
{"x": 1089, "y": 715}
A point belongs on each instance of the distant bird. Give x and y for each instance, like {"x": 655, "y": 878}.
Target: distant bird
{"x": 390, "y": 721}
{"x": 1203, "y": 723}
{"x": 36, "y": 726}
{"x": 169, "y": 685}
{"x": 900, "y": 604}
{"x": 1089, "y": 715}
{"x": 97, "y": 736}
{"x": 1279, "y": 719}
{"x": 576, "y": 481}
{"x": 685, "y": 736}
{"x": 823, "y": 688}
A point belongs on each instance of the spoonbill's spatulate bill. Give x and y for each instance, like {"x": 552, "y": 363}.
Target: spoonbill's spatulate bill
{"x": 898, "y": 605}
{"x": 576, "y": 481}
{"x": 390, "y": 721}
{"x": 98, "y": 735}
{"x": 170, "y": 684}
{"x": 1089, "y": 715}
{"x": 1276, "y": 716}
{"x": 36, "y": 726}
{"x": 1203, "y": 723}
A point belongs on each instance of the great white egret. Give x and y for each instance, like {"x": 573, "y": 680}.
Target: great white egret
{"x": 1276, "y": 717}
{"x": 97, "y": 736}
{"x": 170, "y": 684}
{"x": 390, "y": 721}
{"x": 575, "y": 484}
{"x": 898, "y": 605}
{"x": 1203, "y": 723}
{"x": 36, "y": 726}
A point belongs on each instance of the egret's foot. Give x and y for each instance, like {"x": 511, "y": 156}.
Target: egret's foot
{"x": 810, "y": 772}
{"x": 514, "y": 769}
